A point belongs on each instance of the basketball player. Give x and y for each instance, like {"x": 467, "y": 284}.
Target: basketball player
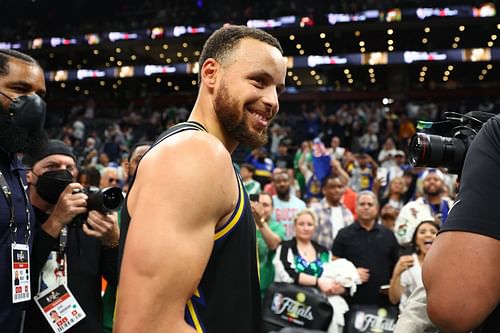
{"x": 189, "y": 259}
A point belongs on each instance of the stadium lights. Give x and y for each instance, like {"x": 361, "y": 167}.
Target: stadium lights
{"x": 96, "y": 52}
{"x": 63, "y": 85}
{"x": 327, "y": 44}
{"x": 290, "y": 73}
{"x": 119, "y": 63}
{"x": 118, "y": 50}
{"x": 165, "y": 46}
{"x": 489, "y": 66}
{"x": 299, "y": 83}
{"x": 168, "y": 60}
{"x": 427, "y": 30}
{"x": 424, "y": 40}
{"x": 291, "y": 37}
{"x": 329, "y": 50}
{"x": 322, "y": 35}
{"x": 313, "y": 72}
{"x": 147, "y": 47}
{"x": 298, "y": 46}
{"x": 162, "y": 55}
{"x": 301, "y": 52}
{"x": 193, "y": 82}
{"x": 185, "y": 45}
{"x": 390, "y": 31}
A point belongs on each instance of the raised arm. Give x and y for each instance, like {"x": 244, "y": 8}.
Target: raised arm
{"x": 461, "y": 272}
{"x": 181, "y": 193}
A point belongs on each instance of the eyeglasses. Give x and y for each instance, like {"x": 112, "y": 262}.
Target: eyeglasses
{"x": 113, "y": 180}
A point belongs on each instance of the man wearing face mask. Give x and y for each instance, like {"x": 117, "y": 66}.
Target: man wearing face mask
{"x": 64, "y": 251}
{"x": 22, "y": 115}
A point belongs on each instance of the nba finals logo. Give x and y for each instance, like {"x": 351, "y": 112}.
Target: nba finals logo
{"x": 294, "y": 309}
{"x": 376, "y": 323}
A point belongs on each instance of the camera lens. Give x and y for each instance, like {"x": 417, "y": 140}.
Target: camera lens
{"x": 436, "y": 151}
{"x": 112, "y": 198}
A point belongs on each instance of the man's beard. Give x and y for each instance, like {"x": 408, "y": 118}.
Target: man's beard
{"x": 431, "y": 193}
{"x": 234, "y": 123}
{"x": 15, "y": 139}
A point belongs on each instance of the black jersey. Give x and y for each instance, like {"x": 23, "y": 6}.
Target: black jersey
{"x": 476, "y": 209}
{"x": 227, "y": 298}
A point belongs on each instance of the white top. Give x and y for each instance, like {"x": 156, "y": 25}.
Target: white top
{"x": 410, "y": 280}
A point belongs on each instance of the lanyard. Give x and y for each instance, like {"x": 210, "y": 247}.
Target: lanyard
{"x": 12, "y": 218}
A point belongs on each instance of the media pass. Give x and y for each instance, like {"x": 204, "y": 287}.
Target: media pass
{"x": 60, "y": 308}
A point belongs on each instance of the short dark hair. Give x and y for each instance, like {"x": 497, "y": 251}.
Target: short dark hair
{"x": 332, "y": 176}
{"x": 6, "y": 54}
{"x": 223, "y": 41}
{"x": 93, "y": 174}
{"x": 248, "y": 166}
{"x": 137, "y": 145}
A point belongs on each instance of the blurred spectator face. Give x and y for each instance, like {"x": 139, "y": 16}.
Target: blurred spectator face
{"x": 282, "y": 149}
{"x": 333, "y": 190}
{"x": 104, "y": 159}
{"x": 282, "y": 183}
{"x": 397, "y": 185}
{"x": 335, "y": 142}
{"x": 305, "y": 227}
{"x": 362, "y": 160}
{"x": 424, "y": 237}
{"x": 433, "y": 185}
{"x": 245, "y": 173}
{"x": 400, "y": 158}
{"x": 109, "y": 178}
{"x": 389, "y": 144}
{"x": 267, "y": 204}
{"x": 389, "y": 215}
{"x": 136, "y": 157}
{"x": 367, "y": 208}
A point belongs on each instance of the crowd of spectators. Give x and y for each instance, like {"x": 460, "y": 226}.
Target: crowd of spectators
{"x": 346, "y": 163}
{"x": 80, "y": 17}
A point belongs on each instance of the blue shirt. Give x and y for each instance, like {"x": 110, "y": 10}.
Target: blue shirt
{"x": 12, "y": 168}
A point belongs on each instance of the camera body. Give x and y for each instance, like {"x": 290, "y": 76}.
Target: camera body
{"x": 445, "y": 143}
{"x": 106, "y": 200}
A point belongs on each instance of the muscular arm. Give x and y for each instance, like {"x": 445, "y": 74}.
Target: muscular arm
{"x": 461, "y": 272}
{"x": 182, "y": 191}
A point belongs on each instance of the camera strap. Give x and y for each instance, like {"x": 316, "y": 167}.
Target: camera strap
{"x": 12, "y": 217}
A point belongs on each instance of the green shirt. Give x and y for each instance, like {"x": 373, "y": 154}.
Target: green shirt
{"x": 266, "y": 256}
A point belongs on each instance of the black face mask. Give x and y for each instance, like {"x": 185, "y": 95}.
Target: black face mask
{"x": 27, "y": 111}
{"x": 51, "y": 184}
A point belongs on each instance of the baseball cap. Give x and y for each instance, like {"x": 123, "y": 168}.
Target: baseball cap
{"x": 54, "y": 147}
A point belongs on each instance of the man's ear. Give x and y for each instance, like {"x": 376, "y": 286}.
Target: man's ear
{"x": 29, "y": 176}
{"x": 209, "y": 71}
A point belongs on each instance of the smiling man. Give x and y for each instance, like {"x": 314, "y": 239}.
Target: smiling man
{"x": 189, "y": 258}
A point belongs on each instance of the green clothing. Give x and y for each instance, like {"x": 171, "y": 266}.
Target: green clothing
{"x": 266, "y": 256}
{"x": 252, "y": 186}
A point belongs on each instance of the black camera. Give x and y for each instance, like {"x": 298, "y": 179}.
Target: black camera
{"x": 445, "y": 143}
{"x": 106, "y": 200}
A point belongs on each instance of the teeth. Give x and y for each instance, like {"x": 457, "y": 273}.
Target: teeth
{"x": 259, "y": 116}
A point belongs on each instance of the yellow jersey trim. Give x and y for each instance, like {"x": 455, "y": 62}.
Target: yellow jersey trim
{"x": 194, "y": 317}
{"x": 232, "y": 222}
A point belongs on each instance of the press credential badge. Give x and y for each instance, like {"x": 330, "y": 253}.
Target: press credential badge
{"x": 60, "y": 308}
{"x": 20, "y": 268}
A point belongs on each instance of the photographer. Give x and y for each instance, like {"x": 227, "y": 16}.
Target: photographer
{"x": 65, "y": 251}
{"x": 462, "y": 270}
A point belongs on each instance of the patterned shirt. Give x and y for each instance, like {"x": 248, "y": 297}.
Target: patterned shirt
{"x": 324, "y": 231}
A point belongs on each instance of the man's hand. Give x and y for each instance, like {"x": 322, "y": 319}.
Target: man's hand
{"x": 68, "y": 206}
{"x": 258, "y": 213}
{"x": 103, "y": 227}
{"x": 364, "y": 274}
{"x": 403, "y": 264}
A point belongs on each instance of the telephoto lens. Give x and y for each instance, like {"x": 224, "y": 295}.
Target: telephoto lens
{"x": 105, "y": 200}
{"x": 436, "y": 151}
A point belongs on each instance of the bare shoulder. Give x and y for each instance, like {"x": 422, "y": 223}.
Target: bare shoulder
{"x": 190, "y": 167}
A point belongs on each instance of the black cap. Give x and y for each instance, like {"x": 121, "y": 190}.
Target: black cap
{"x": 54, "y": 147}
